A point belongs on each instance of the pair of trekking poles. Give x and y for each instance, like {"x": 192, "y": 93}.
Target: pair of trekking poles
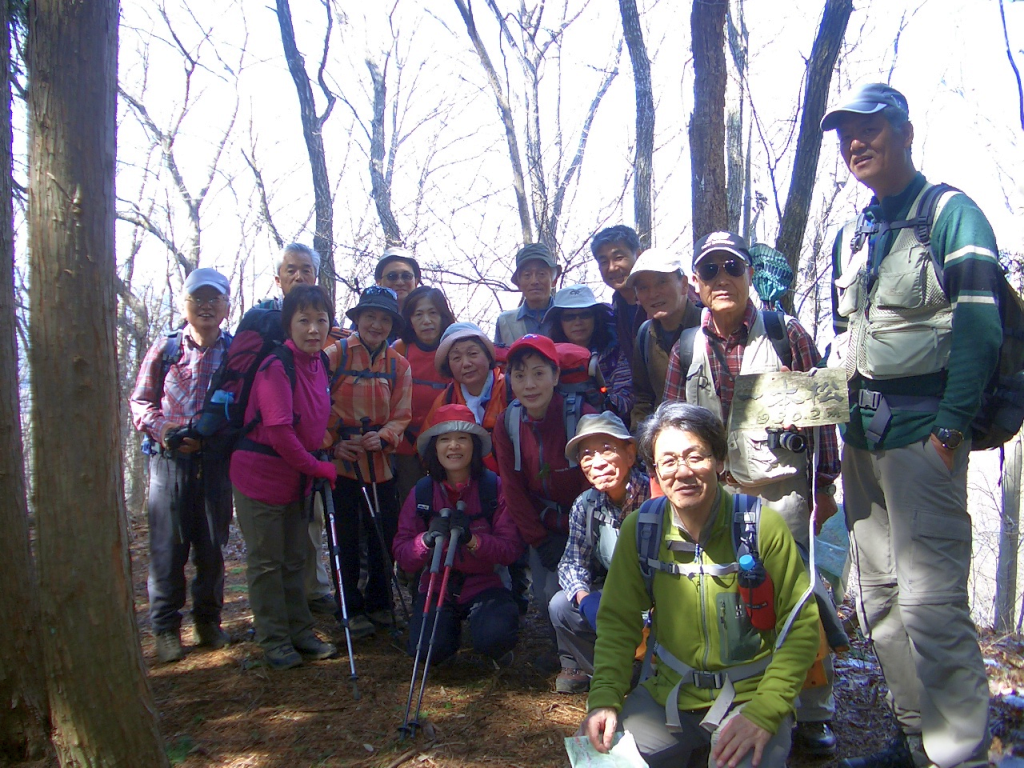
{"x": 408, "y": 727}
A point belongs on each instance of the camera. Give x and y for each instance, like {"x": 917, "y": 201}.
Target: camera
{"x": 784, "y": 438}
{"x": 177, "y": 436}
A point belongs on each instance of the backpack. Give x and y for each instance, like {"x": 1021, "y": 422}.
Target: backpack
{"x": 774, "y": 327}
{"x": 365, "y": 373}
{"x": 579, "y": 381}
{"x": 170, "y": 356}
{"x": 222, "y": 422}
{"x": 1001, "y": 414}
{"x": 746, "y": 517}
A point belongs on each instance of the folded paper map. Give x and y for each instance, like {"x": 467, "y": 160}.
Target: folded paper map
{"x": 623, "y": 754}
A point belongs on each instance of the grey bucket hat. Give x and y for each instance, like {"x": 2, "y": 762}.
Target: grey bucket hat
{"x": 604, "y": 423}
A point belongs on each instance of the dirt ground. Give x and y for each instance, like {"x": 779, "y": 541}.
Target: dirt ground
{"x": 225, "y": 708}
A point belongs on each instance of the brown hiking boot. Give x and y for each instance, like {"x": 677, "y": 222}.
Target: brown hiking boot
{"x": 168, "y": 646}
{"x": 572, "y": 681}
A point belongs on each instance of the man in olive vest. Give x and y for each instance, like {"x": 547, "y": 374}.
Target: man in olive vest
{"x": 919, "y": 336}
{"x": 606, "y": 453}
{"x": 535, "y": 275}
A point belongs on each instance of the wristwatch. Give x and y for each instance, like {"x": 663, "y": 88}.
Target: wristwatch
{"x": 950, "y": 438}
{"x": 829, "y": 489}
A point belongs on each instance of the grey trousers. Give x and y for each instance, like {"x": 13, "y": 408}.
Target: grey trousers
{"x": 275, "y": 555}
{"x": 574, "y": 636}
{"x": 911, "y": 541}
{"x": 690, "y": 746}
{"x": 544, "y": 584}
{"x": 317, "y": 582}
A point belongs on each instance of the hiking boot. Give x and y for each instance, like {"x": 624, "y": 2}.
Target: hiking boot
{"x": 381, "y": 618}
{"x": 325, "y": 605}
{"x": 312, "y": 648}
{"x": 572, "y": 681}
{"x": 283, "y": 656}
{"x": 814, "y": 739}
{"x": 359, "y": 626}
{"x": 168, "y": 646}
{"x": 896, "y": 754}
{"x": 210, "y": 635}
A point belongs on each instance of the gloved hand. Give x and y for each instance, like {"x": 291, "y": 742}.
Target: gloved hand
{"x": 438, "y": 529}
{"x": 550, "y": 550}
{"x": 460, "y": 520}
{"x": 589, "y": 606}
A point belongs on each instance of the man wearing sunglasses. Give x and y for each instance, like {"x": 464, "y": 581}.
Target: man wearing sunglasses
{"x": 399, "y": 271}
{"x": 734, "y": 338}
{"x": 919, "y": 323}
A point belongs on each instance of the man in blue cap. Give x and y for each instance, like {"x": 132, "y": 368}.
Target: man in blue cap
{"x": 189, "y": 496}
{"x": 918, "y": 335}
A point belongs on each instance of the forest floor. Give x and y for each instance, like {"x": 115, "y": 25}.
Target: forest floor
{"x": 226, "y": 708}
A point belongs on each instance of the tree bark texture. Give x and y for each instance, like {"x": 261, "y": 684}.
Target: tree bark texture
{"x": 381, "y": 190}
{"x": 707, "y": 124}
{"x": 739, "y": 42}
{"x": 101, "y": 706}
{"x": 808, "y": 143}
{"x": 24, "y": 719}
{"x": 643, "y": 162}
{"x": 312, "y": 132}
{"x": 1009, "y": 540}
{"x": 505, "y": 113}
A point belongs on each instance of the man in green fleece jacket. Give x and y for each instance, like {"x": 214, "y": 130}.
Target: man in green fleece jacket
{"x": 704, "y": 637}
{"x": 919, "y": 340}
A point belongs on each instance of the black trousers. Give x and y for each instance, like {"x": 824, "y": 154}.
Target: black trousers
{"x": 353, "y": 517}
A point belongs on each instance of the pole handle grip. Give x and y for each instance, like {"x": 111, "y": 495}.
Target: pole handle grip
{"x": 453, "y": 547}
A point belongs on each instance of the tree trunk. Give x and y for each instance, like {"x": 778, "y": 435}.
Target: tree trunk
{"x": 643, "y": 163}
{"x": 381, "y": 191}
{"x": 505, "y": 112}
{"x": 312, "y": 132}
{"x": 707, "y": 124}
{"x": 1009, "y": 541}
{"x": 24, "y": 724}
{"x": 808, "y": 143}
{"x": 101, "y": 706}
{"x": 735, "y": 161}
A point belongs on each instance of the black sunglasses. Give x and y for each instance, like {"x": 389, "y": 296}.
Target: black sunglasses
{"x": 708, "y": 270}
{"x": 394, "y": 277}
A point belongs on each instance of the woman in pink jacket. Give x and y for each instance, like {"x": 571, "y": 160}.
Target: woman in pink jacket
{"x": 452, "y": 446}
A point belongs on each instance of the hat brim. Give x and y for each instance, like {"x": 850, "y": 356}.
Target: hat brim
{"x": 441, "y": 355}
{"x": 723, "y": 249}
{"x": 515, "y": 275}
{"x": 445, "y": 427}
{"x": 552, "y": 314}
{"x": 571, "y": 448}
{"x": 831, "y": 120}
{"x": 398, "y": 322}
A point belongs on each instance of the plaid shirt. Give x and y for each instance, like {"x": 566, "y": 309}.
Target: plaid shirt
{"x": 578, "y": 566}
{"x": 805, "y": 357}
{"x": 184, "y": 387}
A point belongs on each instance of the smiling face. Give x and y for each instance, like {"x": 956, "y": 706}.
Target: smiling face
{"x": 877, "y": 154}
{"x": 578, "y": 325}
{"x": 606, "y": 462}
{"x": 688, "y": 474}
{"x": 296, "y": 269}
{"x": 535, "y": 281}
{"x": 374, "y": 326}
{"x": 469, "y": 365}
{"x": 455, "y": 452}
{"x": 426, "y": 322}
{"x": 205, "y": 309}
{"x": 309, "y": 329}
{"x": 533, "y": 383}
{"x": 615, "y": 261}
{"x": 399, "y": 276}
{"x": 662, "y": 295}
{"x": 724, "y": 294}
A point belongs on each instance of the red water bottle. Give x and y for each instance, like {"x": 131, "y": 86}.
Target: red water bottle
{"x": 757, "y": 593}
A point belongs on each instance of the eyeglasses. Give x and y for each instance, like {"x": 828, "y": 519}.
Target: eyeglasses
{"x": 569, "y": 317}
{"x": 670, "y": 464}
{"x": 606, "y": 452}
{"x": 214, "y": 302}
{"x": 394, "y": 277}
{"x": 380, "y": 290}
{"x": 708, "y": 270}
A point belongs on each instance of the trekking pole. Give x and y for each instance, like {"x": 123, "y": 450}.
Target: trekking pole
{"x": 442, "y": 593}
{"x": 339, "y": 584}
{"x": 435, "y": 566}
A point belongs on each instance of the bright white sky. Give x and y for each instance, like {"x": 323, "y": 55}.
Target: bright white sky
{"x": 951, "y": 64}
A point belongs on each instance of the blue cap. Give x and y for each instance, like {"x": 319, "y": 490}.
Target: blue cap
{"x": 747, "y": 562}
{"x": 202, "y": 277}
{"x": 866, "y": 100}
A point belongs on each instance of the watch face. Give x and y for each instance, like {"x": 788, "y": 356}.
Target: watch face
{"x": 950, "y": 438}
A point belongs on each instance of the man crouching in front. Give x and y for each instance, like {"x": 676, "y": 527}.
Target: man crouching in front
{"x": 721, "y": 691}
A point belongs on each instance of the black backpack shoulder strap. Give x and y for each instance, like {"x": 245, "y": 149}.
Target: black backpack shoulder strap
{"x": 283, "y": 353}
{"x": 173, "y": 343}
{"x": 649, "y": 523}
{"x": 775, "y": 327}
{"x": 646, "y": 337}
{"x": 488, "y": 494}
{"x": 425, "y": 497}
{"x": 746, "y": 520}
{"x": 926, "y": 219}
{"x": 687, "y": 340}
{"x": 342, "y": 362}
{"x": 572, "y": 410}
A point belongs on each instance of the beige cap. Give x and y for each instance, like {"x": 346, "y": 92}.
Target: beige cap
{"x": 604, "y": 423}
{"x": 656, "y": 260}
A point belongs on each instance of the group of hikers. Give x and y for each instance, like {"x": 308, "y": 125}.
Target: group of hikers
{"x": 587, "y": 451}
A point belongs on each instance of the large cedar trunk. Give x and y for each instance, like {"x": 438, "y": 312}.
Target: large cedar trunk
{"x": 101, "y": 706}
{"x": 707, "y": 125}
{"x": 24, "y": 730}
